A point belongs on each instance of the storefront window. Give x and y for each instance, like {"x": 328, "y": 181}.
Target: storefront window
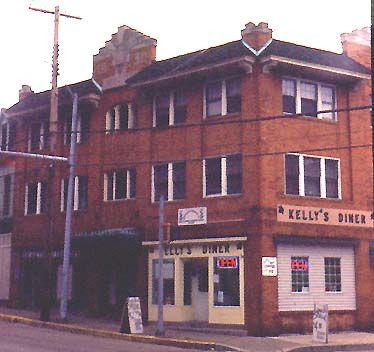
{"x": 168, "y": 273}
{"x": 226, "y": 281}
{"x": 187, "y": 281}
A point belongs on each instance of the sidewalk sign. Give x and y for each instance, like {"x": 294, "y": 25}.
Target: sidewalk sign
{"x": 131, "y": 319}
{"x": 320, "y": 323}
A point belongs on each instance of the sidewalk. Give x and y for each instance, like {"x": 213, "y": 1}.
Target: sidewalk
{"x": 204, "y": 339}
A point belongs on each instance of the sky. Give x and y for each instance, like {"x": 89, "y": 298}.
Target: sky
{"x": 26, "y": 36}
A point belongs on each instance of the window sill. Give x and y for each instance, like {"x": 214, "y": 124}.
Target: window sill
{"x": 215, "y": 196}
{"x": 310, "y": 118}
{"x": 309, "y": 197}
{"x": 118, "y": 200}
{"x": 216, "y": 117}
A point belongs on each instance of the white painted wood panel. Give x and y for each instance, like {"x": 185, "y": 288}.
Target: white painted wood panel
{"x": 304, "y": 301}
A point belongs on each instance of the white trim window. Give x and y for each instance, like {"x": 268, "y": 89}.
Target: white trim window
{"x": 35, "y": 198}
{"x": 8, "y": 135}
{"x": 169, "y": 180}
{"x": 38, "y": 136}
{"x": 222, "y": 97}
{"x": 169, "y": 109}
{"x": 120, "y": 184}
{"x": 120, "y": 117}
{"x": 307, "y": 98}
{"x": 222, "y": 175}
{"x": 312, "y": 176}
{"x": 83, "y": 129}
{"x": 80, "y": 193}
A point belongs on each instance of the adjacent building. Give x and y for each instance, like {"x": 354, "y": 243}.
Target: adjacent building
{"x": 262, "y": 151}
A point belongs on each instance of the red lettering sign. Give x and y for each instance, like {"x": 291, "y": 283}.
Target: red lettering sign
{"x": 227, "y": 262}
{"x": 299, "y": 265}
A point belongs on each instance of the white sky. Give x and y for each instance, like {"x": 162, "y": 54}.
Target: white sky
{"x": 26, "y": 37}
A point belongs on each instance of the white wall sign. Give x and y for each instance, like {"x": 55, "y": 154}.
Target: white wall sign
{"x": 192, "y": 216}
{"x": 269, "y": 266}
{"x": 320, "y": 323}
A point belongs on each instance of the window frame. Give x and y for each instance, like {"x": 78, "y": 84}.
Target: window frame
{"x": 224, "y": 97}
{"x": 8, "y": 141}
{"x": 323, "y": 178}
{"x": 172, "y": 108}
{"x": 42, "y": 138}
{"x": 336, "y": 275}
{"x": 77, "y": 190}
{"x": 320, "y": 102}
{"x": 130, "y": 187}
{"x": 171, "y": 182}
{"x": 113, "y": 121}
{"x": 224, "y": 174}
{"x": 40, "y": 198}
{"x": 83, "y": 135}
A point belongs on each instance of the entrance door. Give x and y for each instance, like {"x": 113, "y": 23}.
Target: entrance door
{"x": 200, "y": 299}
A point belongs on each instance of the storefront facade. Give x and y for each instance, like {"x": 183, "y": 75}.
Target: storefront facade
{"x": 203, "y": 280}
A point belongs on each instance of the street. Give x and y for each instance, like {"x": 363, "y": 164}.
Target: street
{"x": 23, "y": 338}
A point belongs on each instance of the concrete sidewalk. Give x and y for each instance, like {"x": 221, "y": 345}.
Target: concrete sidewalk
{"x": 203, "y": 339}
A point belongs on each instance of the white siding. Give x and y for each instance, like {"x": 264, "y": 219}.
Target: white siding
{"x": 4, "y": 266}
{"x": 302, "y": 301}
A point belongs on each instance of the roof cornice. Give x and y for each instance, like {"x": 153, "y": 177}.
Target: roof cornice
{"x": 273, "y": 59}
{"x": 246, "y": 61}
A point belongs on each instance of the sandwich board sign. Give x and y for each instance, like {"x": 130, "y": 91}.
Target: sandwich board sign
{"x": 320, "y": 323}
{"x": 131, "y": 320}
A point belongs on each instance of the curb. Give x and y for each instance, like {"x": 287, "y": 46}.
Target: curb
{"x": 332, "y": 348}
{"x": 206, "y": 346}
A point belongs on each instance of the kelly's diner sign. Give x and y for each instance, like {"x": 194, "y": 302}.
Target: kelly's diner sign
{"x": 325, "y": 216}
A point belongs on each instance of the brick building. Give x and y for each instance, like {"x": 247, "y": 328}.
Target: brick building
{"x": 262, "y": 150}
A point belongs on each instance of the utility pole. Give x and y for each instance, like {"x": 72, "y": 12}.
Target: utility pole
{"x": 69, "y": 210}
{"x": 53, "y": 128}
{"x": 160, "y": 331}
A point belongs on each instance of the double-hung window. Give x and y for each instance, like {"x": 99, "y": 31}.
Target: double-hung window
{"x": 169, "y": 109}
{"x": 222, "y": 175}
{"x": 312, "y": 176}
{"x": 169, "y": 180}
{"x": 308, "y": 98}
{"x": 80, "y": 193}
{"x": 38, "y": 136}
{"x": 35, "y": 198}
{"x": 83, "y": 129}
{"x": 8, "y": 135}
{"x": 120, "y": 117}
{"x": 222, "y": 97}
{"x": 120, "y": 184}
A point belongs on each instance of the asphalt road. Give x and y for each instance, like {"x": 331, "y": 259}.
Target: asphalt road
{"x": 23, "y": 338}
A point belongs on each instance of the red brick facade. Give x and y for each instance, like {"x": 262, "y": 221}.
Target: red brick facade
{"x": 262, "y": 144}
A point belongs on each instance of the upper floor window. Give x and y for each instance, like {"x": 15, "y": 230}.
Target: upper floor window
{"x": 80, "y": 193}
{"x": 169, "y": 109}
{"x": 120, "y": 184}
{"x": 312, "y": 176}
{"x": 8, "y": 135}
{"x": 120, "y": 117}
{"x": 38, "y": 136}
{"x": 35, "y": 198}
{"x": 223, "y": 175}
{"x": 169, "y": 180}
{"x": 308, "y": 98}
{"x": 83, "y": 129}
{"x": 223, "y": 97}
